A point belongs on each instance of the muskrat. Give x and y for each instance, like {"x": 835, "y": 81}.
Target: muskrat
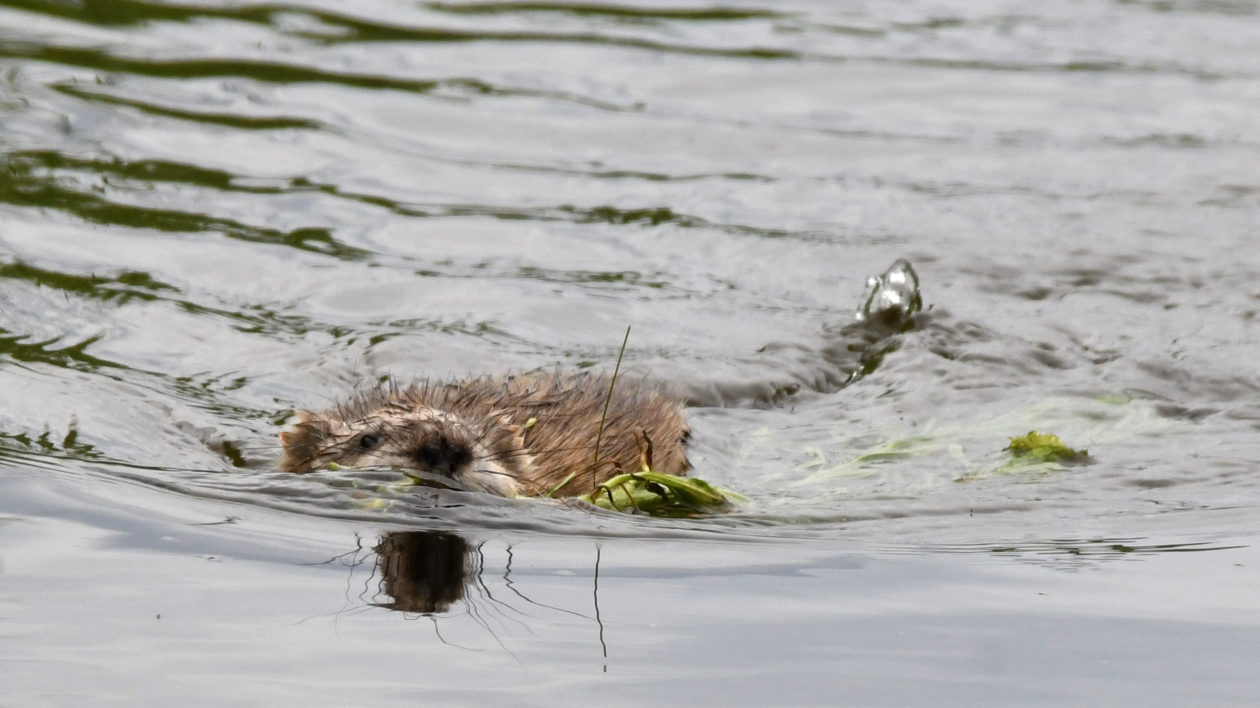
{"x": 522, "y": 435}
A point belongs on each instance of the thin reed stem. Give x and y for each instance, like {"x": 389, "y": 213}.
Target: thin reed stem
{"x": 599, "y": 436}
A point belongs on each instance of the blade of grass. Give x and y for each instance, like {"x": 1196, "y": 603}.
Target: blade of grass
{"x": 599, "y": 436}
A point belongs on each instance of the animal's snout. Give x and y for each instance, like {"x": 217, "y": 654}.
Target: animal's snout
{"x": 439, "y": 453}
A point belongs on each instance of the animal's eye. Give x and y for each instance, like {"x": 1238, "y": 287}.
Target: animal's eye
{"x": 367, "y": 442}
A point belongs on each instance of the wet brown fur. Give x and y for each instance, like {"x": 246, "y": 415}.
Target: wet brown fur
{"x": 493, "y": 415}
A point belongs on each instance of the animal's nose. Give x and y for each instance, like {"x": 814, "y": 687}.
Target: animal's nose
{"x": 440, "y": 454}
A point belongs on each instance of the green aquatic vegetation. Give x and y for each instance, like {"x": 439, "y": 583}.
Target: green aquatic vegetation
{"x": 934, "y": 451}
{"x": 1037, "y": 452}
{"x": 659, "y": 494}
{"x": 891, "y": 451}
{"x": 373, "y": 493}
{"x": 1044, "y": 447}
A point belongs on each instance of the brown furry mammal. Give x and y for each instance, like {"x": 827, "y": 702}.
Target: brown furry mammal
{"x": 513, "y": 436}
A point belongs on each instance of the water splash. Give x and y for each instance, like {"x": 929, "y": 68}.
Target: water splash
{"x": 892, "y": 296}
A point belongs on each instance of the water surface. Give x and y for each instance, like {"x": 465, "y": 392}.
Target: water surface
{"x": 211, "y": 214}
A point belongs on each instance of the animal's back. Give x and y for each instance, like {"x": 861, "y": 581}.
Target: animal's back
{"x": 560, "y": 416}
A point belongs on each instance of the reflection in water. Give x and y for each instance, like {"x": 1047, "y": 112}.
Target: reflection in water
{"x": 428, "y": 572}
{"x": 422, "y": 571}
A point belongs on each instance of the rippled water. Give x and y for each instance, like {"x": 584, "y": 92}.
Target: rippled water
{"x": 211, "y": 214}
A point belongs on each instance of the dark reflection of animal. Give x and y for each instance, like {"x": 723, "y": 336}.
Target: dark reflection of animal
{"x": 429, "y": 572}
{"x": 422, "y": 571}
{"x": 522, "y": 435}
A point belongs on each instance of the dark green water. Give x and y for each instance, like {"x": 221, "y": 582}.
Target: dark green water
{"x": 213, "y": 213}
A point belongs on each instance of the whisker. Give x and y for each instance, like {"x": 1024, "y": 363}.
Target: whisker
{"x": 502, "y": 473}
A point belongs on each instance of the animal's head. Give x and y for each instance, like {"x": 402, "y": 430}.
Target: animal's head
{"x": 485, "y": 455}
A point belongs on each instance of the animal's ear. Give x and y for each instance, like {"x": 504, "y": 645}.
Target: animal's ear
{"x": 303, "y": 442}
